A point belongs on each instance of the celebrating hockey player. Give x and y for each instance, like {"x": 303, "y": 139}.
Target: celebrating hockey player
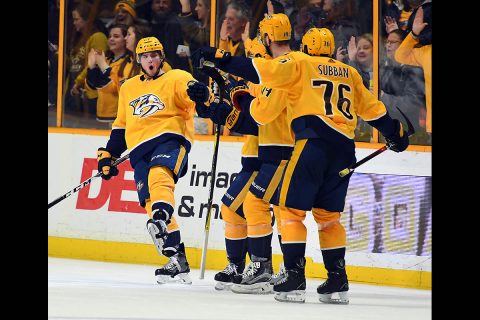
{"x": 275, "y": 147}
{"x": 325, "y": 97}
{"x": 155, "y": 123}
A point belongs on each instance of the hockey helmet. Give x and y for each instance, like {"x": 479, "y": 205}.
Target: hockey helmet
{"x": 149, "y": 44}
{"x": 317, "y": 42}
{"x": 277, "y": 26}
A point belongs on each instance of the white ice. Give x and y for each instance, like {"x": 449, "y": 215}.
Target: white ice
{"x": 81, "y": 289}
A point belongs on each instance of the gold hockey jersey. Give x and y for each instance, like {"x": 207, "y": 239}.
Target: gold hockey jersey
{"x": 155, "y": 110}
{"x": 322, "y": 87}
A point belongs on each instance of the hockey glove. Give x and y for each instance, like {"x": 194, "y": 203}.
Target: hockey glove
{"x": 105, "y": 160}
{"x": 237, "y": 90}
{"x": 203, "y": 98}
{"x": 198, "y": 91}
{"x": 398, "y": 141}
{"x": 211, "y": 54}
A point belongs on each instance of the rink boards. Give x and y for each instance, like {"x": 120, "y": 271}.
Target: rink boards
{"x": 387, "y": 213}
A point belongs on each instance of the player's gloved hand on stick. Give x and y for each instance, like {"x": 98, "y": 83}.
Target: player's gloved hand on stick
{"x": 198, "y": 91}
{"x": 105, "y": 166}
{"x": 203, "y": 98}
{"x": 398, "y": 141}
{"x": 211, "y": 54}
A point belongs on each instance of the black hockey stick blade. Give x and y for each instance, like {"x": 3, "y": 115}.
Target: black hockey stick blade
{"x": 410, "y": 129}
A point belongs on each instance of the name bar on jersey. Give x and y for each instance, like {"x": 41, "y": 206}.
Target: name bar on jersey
{"x": 333, "y": 71}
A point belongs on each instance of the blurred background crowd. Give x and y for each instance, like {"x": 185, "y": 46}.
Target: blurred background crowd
{"x": 104, "y": 33}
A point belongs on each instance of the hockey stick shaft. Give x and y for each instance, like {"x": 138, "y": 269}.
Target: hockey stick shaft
{"x": 221, "y": 83}
{"x": 210, "y": 202}
{"x": 346, "y": 171}
{"x": 85, "y": 183}
{"x": 410, "y": 131}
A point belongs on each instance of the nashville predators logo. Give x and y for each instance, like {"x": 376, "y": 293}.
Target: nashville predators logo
{"x": 146, "y": 105}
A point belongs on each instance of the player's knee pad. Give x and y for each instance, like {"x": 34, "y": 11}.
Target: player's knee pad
{"x": 276, "y": 213}
{"x": 235, "y": 226}
{"x": 293, "y": 229}
{"x": 161, "y": 186}
{"x": 331, "y": 233}
{"x": 257, "y": 213}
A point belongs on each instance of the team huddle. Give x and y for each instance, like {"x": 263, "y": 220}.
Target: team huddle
{"x": 298, "y": 111}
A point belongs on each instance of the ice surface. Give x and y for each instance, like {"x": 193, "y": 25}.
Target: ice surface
{"x": 81, "y": 289}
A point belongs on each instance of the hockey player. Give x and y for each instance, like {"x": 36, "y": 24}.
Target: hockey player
{"x": 232, "y": 201}
{"x": 275, "y": 147}
{"x": 155, "y": 123}
{"x": 325, "y": 97}
{"x": 233, "y": 214}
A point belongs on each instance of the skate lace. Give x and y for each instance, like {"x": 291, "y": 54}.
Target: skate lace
{"x": 284, "y": 279}
{"x": 172, "y": 265}
{"x": 279, "y": 273}
{"x": 251, "y": 270}
{"x": 230, "y": 269}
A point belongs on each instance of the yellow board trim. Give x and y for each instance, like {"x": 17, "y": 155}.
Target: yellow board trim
{"x": 206, "y": 137}
{"x": 140, "y": 253}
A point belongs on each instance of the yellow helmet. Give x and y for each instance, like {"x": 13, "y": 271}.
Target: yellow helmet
{"x": 254, "y": 48}
{"x": 318, "y": 41}
{"x": 148, "y": 44}
{"x": 277, "y": 26}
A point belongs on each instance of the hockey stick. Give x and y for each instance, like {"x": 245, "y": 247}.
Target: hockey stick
{"x": 346, "y": 171}
{"x": 209, "y": 69}
{"x": 85, "y": 183}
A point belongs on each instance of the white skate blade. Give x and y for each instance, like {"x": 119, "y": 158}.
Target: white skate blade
{"x": 153, "y": 231}
{"x": 182, "y": 278}
{"x": 327, "y": 298}
{"x": 295, "y": 296}
{"x": 223, "y": 286}
{"x": 256, "y": 288}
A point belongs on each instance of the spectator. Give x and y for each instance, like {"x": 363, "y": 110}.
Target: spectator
{"x": 166, "y": 28}
{"x": 396, "y": 14}
{"x": 124, "y": 13}
{"x": 196, "y": 31}
{"x": 105, "y": 75}
{"x": 401, "y": 85}
{"x": 360, "y": 56}
{"x": 336, "y": 15}
{"x": 89, "y": 33}
{"x": 412, "y": 52}
{"x": 426, "y": 36}
{"x": 236, "y": 18}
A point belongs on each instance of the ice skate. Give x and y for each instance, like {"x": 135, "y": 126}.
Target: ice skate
{"x": 255, "y": 279}
{"x": 291, "y": 286}
{"x": 176, "y": 270}
{"x": 224, "y": 278}
{"x": 335, "y": 289}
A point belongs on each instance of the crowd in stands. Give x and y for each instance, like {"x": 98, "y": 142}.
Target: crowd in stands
{"x": 101, "y": 37}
